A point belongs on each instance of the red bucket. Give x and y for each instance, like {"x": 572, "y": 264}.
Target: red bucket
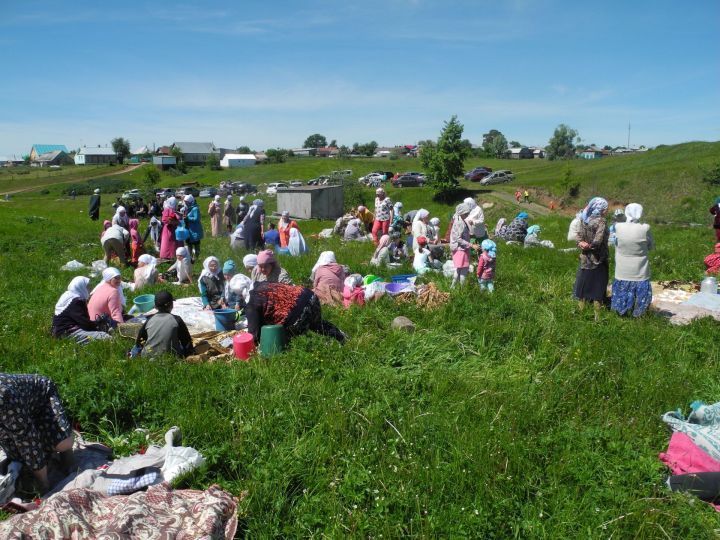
{"x": 243, "y": 345}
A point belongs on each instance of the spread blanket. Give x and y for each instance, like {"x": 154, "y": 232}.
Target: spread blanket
{"x": 702, "y": 426}
{"x": 158, "y": 513}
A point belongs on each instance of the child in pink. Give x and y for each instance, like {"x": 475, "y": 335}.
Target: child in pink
{"x": 486, "y": 266}
{"x": 353, "y": 292}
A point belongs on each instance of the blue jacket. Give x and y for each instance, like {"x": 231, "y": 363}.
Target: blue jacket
{"x": 272, "y": 236}
{"x": 193, "y": 224}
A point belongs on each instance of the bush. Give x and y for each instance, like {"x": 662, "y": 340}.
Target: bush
{"x": 106, "y": 185}
{"x": 353, "y": 194}
{"x": 711, "y": 175}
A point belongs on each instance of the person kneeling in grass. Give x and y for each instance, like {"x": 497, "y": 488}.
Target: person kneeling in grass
{"x": 72, "y": 318}
{"x": 163, "y": 332}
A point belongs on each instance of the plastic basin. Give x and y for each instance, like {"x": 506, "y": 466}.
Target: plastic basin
{"x": 224, "y": 319}
{"x": 144, "y": 302}
{"x": 396, "y": 288}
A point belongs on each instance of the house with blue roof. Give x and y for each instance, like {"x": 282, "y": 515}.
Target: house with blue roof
{"x": 40, "y": 149}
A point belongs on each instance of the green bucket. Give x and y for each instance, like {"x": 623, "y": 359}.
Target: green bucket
{"x": 144, "y": 302}
{"x": 272, "y": 339}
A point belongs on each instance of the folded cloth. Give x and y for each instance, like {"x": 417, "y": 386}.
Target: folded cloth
{"x": 142, "y": 479}
{"x": 705, "y": 486}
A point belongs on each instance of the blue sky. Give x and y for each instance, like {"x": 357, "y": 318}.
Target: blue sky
{"x": 267, "y": 74}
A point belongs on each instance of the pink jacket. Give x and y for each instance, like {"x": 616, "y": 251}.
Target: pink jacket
{"x": 331, "y": 275}
{"x": 106, "y": 300}
{"x": 353, "y": 296}
{"x": 486, "y": 267}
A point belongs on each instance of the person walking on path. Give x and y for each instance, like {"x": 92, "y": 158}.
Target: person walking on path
{"x": 526, "y": 195}
{"x": 517, "y": 195}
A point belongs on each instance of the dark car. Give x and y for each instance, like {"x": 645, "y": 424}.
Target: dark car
{"x": 477, "y": 174}
{"x": 408, "y": 180}
{"x": 242, "y": 188}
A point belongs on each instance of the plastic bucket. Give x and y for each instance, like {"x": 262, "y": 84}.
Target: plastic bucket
{"x": 370, "y": 278}
{"x": 272, "y": 339}
{"x": 283, "y": 251}
{"x": 144, "y": 302}
{"x": 401, "y": 278}
{"x": 243, "y": 345}
{"x": 224, "y": 319}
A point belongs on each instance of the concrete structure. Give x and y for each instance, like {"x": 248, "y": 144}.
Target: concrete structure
{"x": 164, "y": 162}
{"x": 321, "y": 202}
{"x": 520, "y": 153}
{"x": 194, "y": 153}
{"x": 95, "y": 156}
{"x": 233, "y": 161}
{"x": 39, "y": 149}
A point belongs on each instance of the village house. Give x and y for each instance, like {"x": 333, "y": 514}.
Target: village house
{"x": 38, "y": 149}
{"x": 304, "y": 152}
{"x": 96, "y": 156}
{"x": 195, "y": 153}
{"x": 522, "y": 152}
{"x": 56, "y": 157}
{"x": 233, "y": 161}
{"x": 327, "y": 151}
{"x": 164, "y": 162}
{"x": 591, "y": 152}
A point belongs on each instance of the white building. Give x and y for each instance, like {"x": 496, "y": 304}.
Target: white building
{"x": 232, "y": 161}
{"x": 95, "y": 156}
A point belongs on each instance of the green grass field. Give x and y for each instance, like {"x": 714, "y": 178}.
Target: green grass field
{"x": 503, "y": 416}
{"x": 20, "y": 178}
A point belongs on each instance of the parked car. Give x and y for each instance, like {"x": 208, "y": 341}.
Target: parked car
{"x": 408, "y": 180}
{"x": 272, "y": 188}
{"x": 208, "y": 192}
{"x": 477, "y": 174}
{"x": 242, "y": 188}
{"x": 372, "y": 178}
{"x": 410, "y": 173}
{"x": 296, "y": 183}
{"x": 498, "y": 177}
{"x": 165, "y": 193}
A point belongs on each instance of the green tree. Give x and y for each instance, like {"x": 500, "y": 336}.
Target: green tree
{"x": 333, "y": 143}
{"x": 276, "y": 155}
{"x": 244, "y": 150}
{"x": 494, "y": 143}
{"x": 151, "y": 175}
{"x": 121, "y": 147}
{"x": 343, "y": 152}
{"x": 315, "y": 141}
{"x": 515, "y": 144}
{"x": 560, "y": 145}
{"x": 367, "y": 149}
{"x": 213, "y": 162}
{"x": 444, "y": 162}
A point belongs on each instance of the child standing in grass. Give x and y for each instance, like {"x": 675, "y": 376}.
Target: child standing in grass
{"x": 486, "y": 266}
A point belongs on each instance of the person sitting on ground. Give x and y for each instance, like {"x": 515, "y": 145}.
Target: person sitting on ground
{"x": 153, "y": 231}
{"x": 422, "y": 261}
{"x": 115, "y": 242}
{"x": 107, "y": 298}
{"x": 420, "y": 225}
{"x": 72, "y": 318}
{"x": 328, "y": 277}
{"x": 532, "y": 239}
{"x": 398, "y": 223}
{"x": 121, "y": 218}
{"x": 163, "y": 332}
{"x": 366, "y": 217}
{"x": 34, "y": 424}
{"x": 486, "y": 265}
{"x": 268, "y": 269}
{"x": 398, "y": 249}
{"x": 182, "y": 267}
{"x": 272, "y": 237}
{"x": 516, "y": 231}
{"x": 353, "y": 231}
{"x": 381, "y": 257}
{"x": 353, "y": 292}
{"x": 212, "y": 284}
{"x": 433, "y": 232}
{"x": 296, "y": 244}
{"x": 146, "y": 272}
{"x": 250, "y": 262}
{"x": 232, "y": 300}
{"x": 712, "y": 261}
{"x": 296, "y": 308}
{"x": 284, "y": 226}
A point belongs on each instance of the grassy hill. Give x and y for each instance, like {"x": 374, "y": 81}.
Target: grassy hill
{"x": 503, "y": 416}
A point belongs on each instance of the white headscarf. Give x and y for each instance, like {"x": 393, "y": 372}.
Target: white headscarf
{"x": 189, "y": 199}
{"x": 326, "y": 257}
{"x": 150, "y": 263}
{"x": 353, "y": 280}
{"x": 206, "y": 268}
{"x": 296, "y": 244}
{"x": 119, "y": 210}
{"x": 107, "y": 274}
{"x": 471, "y": 202}
{"x": 435, "y": 221}
{"x": 241, "y": 284}
{"x": 250, "y": 260}
{"x": 216, "y": 199}
{"x": 182, "y": 250}
{"x": 170, "y": 202}
{"x": 78, "y": 288}
{"x": 422, "y": 213}
{"x": 634, "y": 212}
{"x": 184, "y": 267}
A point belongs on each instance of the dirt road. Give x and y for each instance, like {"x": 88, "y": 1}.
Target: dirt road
{"x": 72, "y": 181}
{"x": 508, "y": 197}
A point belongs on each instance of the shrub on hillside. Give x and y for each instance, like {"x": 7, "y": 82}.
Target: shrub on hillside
{"x": 711, "y": 175}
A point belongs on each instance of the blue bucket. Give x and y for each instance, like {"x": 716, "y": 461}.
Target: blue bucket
{"x": 224, "y": 319}
{"x": 144, "y": 302}
{"x": 282, "y": 251}
{"x": 400, "y": 278}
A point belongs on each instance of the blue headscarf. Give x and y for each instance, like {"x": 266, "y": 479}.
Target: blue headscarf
{"x": 594, "y": 208}
{"x": 522, "y": 215}
{"x": 533, "y": 229}
{"x": 490, "y": 247}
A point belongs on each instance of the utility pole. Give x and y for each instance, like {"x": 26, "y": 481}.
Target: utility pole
{"x": 628, "y": 146}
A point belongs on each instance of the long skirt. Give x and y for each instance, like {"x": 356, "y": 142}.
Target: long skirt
{"x": 216, "y": 225}
{"x": 591, "y": 285}
{"x": 252, "y": 237}
{"x": 631, "y": 297}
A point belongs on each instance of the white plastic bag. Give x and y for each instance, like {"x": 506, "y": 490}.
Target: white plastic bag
{"x": 180, "y": 460}
{"x": 73, "y": 265}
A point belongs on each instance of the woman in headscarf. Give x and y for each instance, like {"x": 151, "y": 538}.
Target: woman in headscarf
{"x": 268, "y": 269}
{"x": 108, "y": 298}
{"x": 715, "y": 211}
{"x": 592, "y": 240}
{"x": 398, "y": 248}
{"x": 33, "y": 424}
{"x": 229, "y": 215}
{"x": 194, "y": 226}
{"x": 253, "y": 225}
{"x": 297, "y": 309}
{"x": 106, "y": 225}
{"x": 516, "y": 231}
{"x": 460, "y": 244}
{"x": 533, "y": 238}
{"x": 420, "y": 225}
{"x": 136, "y": 243}
{"x": 433, "y": 231}
{"x": 284, "y": 226}
{"x": 250, "y": 262}
{"x": 153, "y": 231}
{"x": 182, "y": 266}
{"x": 121, "y": 218}
{"x": 352, "y": 231}
{"x": 712, "y": 262}
{"x": 72, "y": 318}
{"x": 215, "y": 213}
{"x": 296, "y": 244}
{"x": 476, "y": 221}
{"x": 422, "y": 261}
{"x": 328, "y": 279}
{"x": 383, "y": 214}
{"x": 146, "y": 272}
{"x": 232, "y": 300}
{"x": 242, "y": 209}
{"x": 353, "y": 292}
{"x": 115, "y": 242}
{"x": 170, "y": 220}
{"x": 212, "y": 284}
{"x": 631, "y": 289}
{"x": 381, "y": 257}
{"x": 366, "y": 217}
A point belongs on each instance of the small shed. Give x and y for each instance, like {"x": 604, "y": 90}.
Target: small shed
{"x": 164, "y": 162}
{"x": 321, "y": 202}
{"x": 232, "y": 161}
{"x": 95, "y": 156}
{"x": 520, "y": 153}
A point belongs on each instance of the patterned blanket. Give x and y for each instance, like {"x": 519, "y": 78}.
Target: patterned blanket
{"x": 158, "y": 513}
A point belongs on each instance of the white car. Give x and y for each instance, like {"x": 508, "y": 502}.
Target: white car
{"x": 272, "y": 188}
{"x": 372, "y": 178}
{"x": 296, "y": 183}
